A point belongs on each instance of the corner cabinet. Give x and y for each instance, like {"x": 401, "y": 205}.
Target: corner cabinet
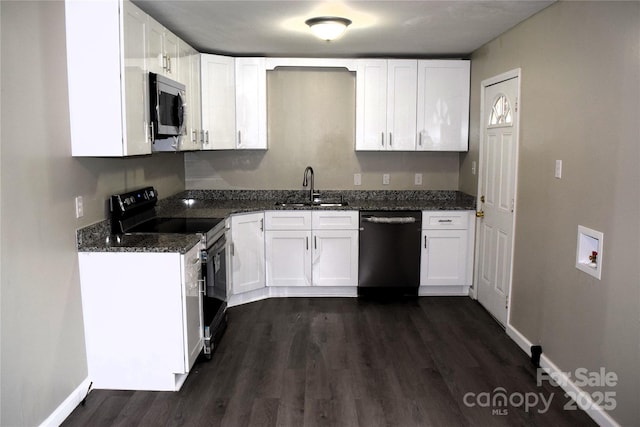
{"x": 247, "y": 253}
{"x": 113, "y": 121}
{"x": 234, "y": 103}
{"x": 133, "y": 344}
{"x": 218, "y": 79}
{"x": 446, "y": 262}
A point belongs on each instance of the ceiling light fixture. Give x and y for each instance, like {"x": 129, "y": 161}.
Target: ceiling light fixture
{"x": 328, "y": 27}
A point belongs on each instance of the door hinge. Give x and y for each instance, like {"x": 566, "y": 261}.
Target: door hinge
{"x": 506, "y": 302}
{"x": 232, "y": 247}
{"x": 516, "y": 105}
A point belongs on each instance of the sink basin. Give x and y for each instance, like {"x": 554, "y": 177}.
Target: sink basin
{"x": 309, "y": 204}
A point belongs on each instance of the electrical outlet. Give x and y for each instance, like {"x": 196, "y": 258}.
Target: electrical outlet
{"x": 473, "y": 167}
{"x": 79, "y": 207}
{"x": 385, "y": 179}
{"x": 357, "y": 179}
{"x": 417, "y": 180}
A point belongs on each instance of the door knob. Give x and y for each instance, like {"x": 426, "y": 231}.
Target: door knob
{"x": 480, "y": 214}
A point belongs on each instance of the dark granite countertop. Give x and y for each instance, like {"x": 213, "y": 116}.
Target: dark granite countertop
{"x": 222, "y": 203}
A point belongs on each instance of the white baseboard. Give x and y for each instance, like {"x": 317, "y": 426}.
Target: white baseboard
{"x": 66, "y": 408}
{"x": 592, "y": 409}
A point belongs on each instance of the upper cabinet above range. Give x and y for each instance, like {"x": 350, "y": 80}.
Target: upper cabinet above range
{"x": 412, "y": 105}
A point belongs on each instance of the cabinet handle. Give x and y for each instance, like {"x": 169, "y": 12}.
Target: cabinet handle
{"x": 445, "y": 220}
{"x": 261, "y": 224}
{"x": 206, "y": 136}
{"x": 232, "y": 247}
{"x": 194, "y": 136}
{"x": 315, "y": 242}
{"x": 382, "y": 138}
{"x": 169, "y": 64}
{"x": 151, "y": 135}
{"x": 390, "y": 139}
{"x": 420, "y": 139}
{"x": 239, "y": 138}
{"x": 426, "y": 246}
{"x": 164, "y": 62}
{"x": 307, "y": 240}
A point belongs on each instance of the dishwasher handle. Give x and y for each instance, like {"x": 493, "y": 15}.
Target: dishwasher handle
{"x": 389, "y": 220}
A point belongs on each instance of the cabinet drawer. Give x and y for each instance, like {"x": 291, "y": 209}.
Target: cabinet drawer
{"x": 287, "y": 220}
{"x": 455, "y": 220}
{"x": 335, "y": 220}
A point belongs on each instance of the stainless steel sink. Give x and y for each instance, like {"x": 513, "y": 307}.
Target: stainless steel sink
{"x": 309, "y": 204}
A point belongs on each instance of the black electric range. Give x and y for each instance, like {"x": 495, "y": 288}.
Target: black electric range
{"x": 134, "y": 213}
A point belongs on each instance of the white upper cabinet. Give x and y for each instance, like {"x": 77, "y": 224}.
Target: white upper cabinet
{"x": 386, "y": 105}
{"x": 164, "y": 51}
{"x": 443, "y": 105}
{"x": 218, "y": 102}
{"x": 111, "y": 122}
{"x": 407, "y": 105}
{"x": 251, "y": 103}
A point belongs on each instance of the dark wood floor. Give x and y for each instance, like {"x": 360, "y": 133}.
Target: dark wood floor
{"x": 347, "y": 362}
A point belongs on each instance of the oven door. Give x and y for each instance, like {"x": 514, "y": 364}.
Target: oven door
{"x": 216, "y": 280}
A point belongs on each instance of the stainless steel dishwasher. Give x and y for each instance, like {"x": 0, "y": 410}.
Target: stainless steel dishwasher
{"x": 389, "y": 253}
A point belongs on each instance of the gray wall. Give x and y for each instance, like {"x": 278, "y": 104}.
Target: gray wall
{"x": 43, "y": 355}
{"x": 580, "y": 103}
{"x": 311, "y": 121}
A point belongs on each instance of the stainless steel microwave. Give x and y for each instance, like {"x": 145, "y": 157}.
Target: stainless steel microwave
{"x": 167, "y": 107}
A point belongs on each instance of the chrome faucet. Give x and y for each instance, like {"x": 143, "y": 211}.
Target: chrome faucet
{"x": 314, "y": 196}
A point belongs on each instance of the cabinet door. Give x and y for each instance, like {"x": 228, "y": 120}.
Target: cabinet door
{"x": 192, "y": 306}
{"x": 135, "y": 86}
{"x": 443, "y": 105}
{"x": 371, "y": 104}
{"x": 402, "y": 76}
{"x": 247, "y": 252}
{"x": 288, "y": 254}
{"x": 218, "y": 102}
{"x": 195, "y": 106}
{"x": 444, "y": 258}
{"x": 335, "y": 258}
{"x": 251, "y": 103}
{"x": 191, "y": 133}
{"x": 155, "y": 51}
{"x": 171, "y": 47}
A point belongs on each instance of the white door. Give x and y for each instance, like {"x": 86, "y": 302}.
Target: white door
{"x": 496, "y": 191}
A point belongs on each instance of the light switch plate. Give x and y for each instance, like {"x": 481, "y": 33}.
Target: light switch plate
{"x": 558, "y": 173}
{"x": 357, "y": 179}
{"x": 417, "y": 179}
{"x": 385, "y": 179}
{"x": 79, "y": 207}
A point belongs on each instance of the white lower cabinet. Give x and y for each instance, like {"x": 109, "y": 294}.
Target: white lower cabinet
{"x": 446, "y": 260}
{"x": 142, "y": 317}
{"x": 305, "y": 248}
{"x": 247, "y": 253}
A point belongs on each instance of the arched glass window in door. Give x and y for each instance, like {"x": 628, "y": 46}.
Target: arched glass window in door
{"x": 501, "y": 112}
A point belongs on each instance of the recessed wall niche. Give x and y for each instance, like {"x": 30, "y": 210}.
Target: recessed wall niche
{"x": 589, "y": 251}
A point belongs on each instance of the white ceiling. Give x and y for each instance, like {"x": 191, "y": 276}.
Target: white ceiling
{"x": 418, "y": 28}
